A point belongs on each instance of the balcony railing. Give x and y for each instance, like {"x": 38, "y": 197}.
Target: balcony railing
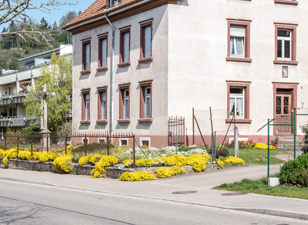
{"x": 13, "y": 99}
{"x": 17, "y": 122}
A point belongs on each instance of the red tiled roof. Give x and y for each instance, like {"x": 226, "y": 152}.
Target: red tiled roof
{"x": 97, "y": 8}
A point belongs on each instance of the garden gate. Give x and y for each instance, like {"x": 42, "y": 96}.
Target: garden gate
{"x": 176, "y": 131}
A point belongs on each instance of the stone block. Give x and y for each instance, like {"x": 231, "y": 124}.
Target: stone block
{"x": 273, "y": 181}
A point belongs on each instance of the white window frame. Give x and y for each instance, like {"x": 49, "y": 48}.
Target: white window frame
{"x": 87, "y": 109}
{"x": 125, "y": 106}
{"x": 82, "y": 139}
{"x": 147, "y": 100}
{"x": 237, "y": 96}
{"x": 145, "y": 139}
{"x": 283, "y": 39}
{"x": 234, "y": 42}
{"x": 104, "y": 109}
{"x": 101, "y": 138}
{"x": 123, "y": 139}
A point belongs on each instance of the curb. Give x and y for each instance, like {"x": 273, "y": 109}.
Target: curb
{"x": 271, "y": 212}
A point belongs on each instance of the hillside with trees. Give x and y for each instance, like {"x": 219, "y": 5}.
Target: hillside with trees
{"x": 14, "y": 46}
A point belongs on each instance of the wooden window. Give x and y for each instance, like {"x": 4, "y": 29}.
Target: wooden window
{"x": 86, "y": 56}
{"x": 102, "y": 52}
{"x": 123, "y": 141}
{"x": 124, "y": 107}
{"x": 238, "y": 41}
{"x": 291, "y": 2}
{"x": 145, "y": 142}
{"x": 124, "y": 47}
{"x": 285, "y": 44}
{"x": 145, "y": 41}
{"x": 85, "y": 114}
{"x": 102, "y": 105}
{"x": 238, "y": 102}
{"x": 146, "y": 101}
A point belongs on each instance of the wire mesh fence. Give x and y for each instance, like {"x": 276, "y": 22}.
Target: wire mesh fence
{"x": 301, "y": 130}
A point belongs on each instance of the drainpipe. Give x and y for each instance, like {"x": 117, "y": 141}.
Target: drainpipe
{"x": 111, "y": 80}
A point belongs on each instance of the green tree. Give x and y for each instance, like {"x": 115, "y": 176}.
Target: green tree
{"x": 58, "y": 78}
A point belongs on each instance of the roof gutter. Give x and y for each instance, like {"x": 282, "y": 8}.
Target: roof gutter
{"x": 111, "y": 79}
{"x": 104, "y": 16}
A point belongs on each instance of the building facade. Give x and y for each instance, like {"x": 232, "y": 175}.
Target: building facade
{"x": 136, "y": 63}
{"x": 14, "y": 86}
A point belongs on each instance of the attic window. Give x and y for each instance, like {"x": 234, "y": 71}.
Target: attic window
{"x": 113, "y": 3}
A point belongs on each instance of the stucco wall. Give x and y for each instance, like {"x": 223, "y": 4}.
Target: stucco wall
{"x": 197, "y": 66}
{"x": 136, "y": 72}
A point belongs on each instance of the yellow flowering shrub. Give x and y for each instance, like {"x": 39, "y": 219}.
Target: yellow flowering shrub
{"x": 84, "y": 160}
{"x": 95, "y": 158}
{"x": 1, "y": 152}
{"x": 128, "y": 162}
{"x": 24, "y": 155}
{"x": 101, "y": 164}
{"x": 264, "y": 146}
{"x": 63, "y": 162}
{"x": 137, "y": 176}
{"x": 168, "y": 172}
{"x": 231, "y": 160}
{"x": 6, "y": 161}
{"x": 11, "y": 154}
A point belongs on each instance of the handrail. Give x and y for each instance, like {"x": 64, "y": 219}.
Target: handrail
{"x": 265, "y": 125}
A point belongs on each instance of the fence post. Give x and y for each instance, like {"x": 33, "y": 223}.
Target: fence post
{"x": 214, "y": 148}
{"x": 17, "y": 145}
{"x": 4, "y": 142}
{"x": 31, "y": 146}
{"x": 134, "y": 152}
{"x": 294, "y": 131}
{"x": 268, "y": 149}
{"x": 193, "y": 124}
{"x": 65, "y": 140}
{"x": 85, "y": 145}
{"x": 236, "y": 149}
{"x": 107, "y": 144}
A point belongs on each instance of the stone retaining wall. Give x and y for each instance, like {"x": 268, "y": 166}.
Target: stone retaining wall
{"x": 36, "y": 165}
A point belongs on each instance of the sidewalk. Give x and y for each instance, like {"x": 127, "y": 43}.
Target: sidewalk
{"x": 163, "y": 189}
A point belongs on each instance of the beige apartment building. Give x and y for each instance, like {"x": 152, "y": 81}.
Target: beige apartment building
{"x": 138, "y": 62}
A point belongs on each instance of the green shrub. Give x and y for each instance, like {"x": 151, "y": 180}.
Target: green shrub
{"x": 305, "y": 148}
{"x": 300, "y": 178}
{"x": 289, "y": 169}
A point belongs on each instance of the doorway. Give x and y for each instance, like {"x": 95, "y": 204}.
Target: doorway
{"x": 284, "y": 110}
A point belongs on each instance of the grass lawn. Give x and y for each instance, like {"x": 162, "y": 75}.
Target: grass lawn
{"x": 258, "y": 156}
{"x": 260, "y": 187}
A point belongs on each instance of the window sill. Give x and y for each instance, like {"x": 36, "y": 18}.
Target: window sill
{"x": 85, "y": 121}
{"x": 124, "y": 121}
{"x": 102, "y": 68}
{"x": 248, "y": 121}
{"x": 236, "y": 59}
{"x": 148, "y": 59}
{"x": 102, "y": 121}
{"x": 124, "y": 64}
{"x": 287, "y": 2}
{"x": 85, "y": 71}
{"x": 285, "y": 62}
{"x": 145, "y": 120}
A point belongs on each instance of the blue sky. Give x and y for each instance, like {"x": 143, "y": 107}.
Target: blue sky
{"x": 56, "y": 14}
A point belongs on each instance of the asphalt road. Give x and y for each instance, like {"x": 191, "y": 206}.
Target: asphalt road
{"x": 23, "y": 203}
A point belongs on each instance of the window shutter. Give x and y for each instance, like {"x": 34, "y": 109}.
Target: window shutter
{"x": 104, "y": 52}
{"x": 147, "y": 43}
{"x": 126, "y": 47}
{"x": 237, "y": 31}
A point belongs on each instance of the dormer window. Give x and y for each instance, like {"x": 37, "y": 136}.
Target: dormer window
{"x": 113, "y": 3}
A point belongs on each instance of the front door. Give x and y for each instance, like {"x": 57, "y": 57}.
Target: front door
{"x": 283, "y": 112}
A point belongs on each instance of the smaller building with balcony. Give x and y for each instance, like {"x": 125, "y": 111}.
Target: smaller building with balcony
{"x": 14, "y": 86}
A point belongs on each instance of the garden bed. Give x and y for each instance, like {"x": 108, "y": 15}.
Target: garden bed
{"x": 36, "y": 165}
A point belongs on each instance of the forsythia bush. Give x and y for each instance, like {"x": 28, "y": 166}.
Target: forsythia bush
{"x": 168, "y": 172}
{"x": 102, "y": 163}
{"x": 95, "y": 158}
{"x": 264, "y": 146}
{"x": 63, "y": 162}
{"x": 137, "y": 176}
{"x": 231, "y": 160}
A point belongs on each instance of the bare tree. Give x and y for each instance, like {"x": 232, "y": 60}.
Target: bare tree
{"x": 18, "y": 11}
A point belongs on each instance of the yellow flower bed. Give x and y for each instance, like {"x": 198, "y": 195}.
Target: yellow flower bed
{"x": 264, "y": 146}
{"x": 137, "y": 176}
{"x": 24, "y": 155}
{"x": 169, "y": 172}
{"x": 101, "y": 164}
{"x": 63, "y": 162}
{"x": 1, "y": 152}
{"x": 84, "y": 160}
{"x": 231, "y": 160}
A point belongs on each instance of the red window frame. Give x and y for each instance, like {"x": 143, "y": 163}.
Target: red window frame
{"x": 84, "y": 43}
{"x": 84, "y": 92}
{"x": 100, "y": 90}
{"x": 143, "y": 85}
{"x": 100, "y": 56}
{"x": 122, "y": 88}
{"x": 122, "y": 32}
{"x": 143, "y": 25}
